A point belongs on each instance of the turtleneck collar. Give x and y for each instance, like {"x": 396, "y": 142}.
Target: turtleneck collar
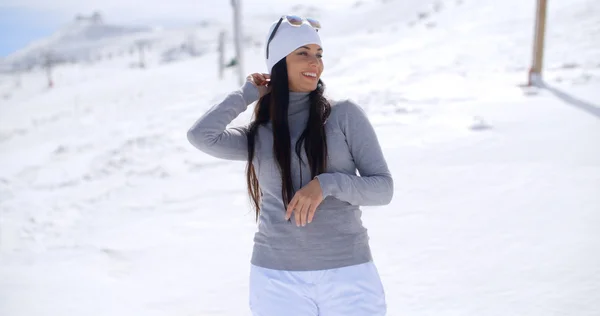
{"x": 299, "y": 101}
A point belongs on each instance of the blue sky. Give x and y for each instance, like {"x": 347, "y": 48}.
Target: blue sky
{"x": 19, "y": 26}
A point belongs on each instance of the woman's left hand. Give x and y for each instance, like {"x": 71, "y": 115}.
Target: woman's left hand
{"x": 305, "y": 203}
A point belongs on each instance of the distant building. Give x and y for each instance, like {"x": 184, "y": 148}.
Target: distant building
{"x": 95, "y": 18}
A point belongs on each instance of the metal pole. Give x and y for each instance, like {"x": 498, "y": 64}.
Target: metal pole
{"x": 221, "y": 53}
{"x": 538, "y": 48}
{"x": 49, "y": 65}
{"x": 237, "y": 34}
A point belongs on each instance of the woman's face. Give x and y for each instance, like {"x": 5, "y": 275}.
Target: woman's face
{"x": 304, "y": 66}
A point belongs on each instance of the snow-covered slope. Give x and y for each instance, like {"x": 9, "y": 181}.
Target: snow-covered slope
{"x": 107, "y": 210}
{"x": 90, "y": 39}
{"x": 91, "y": 42}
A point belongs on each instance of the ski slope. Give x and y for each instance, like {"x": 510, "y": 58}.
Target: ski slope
{"x": 106, "y": 209}
{"x": 119, "y": 29}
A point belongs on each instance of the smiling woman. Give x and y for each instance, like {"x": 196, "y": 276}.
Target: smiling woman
{"x": 305, "y": 66}
{"x": 311, "y": 253}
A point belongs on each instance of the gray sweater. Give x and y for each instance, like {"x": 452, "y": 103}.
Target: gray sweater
{"x": 336, "y": 237}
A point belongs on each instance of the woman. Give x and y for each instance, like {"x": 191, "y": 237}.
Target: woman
{"x": 311, "y": 253}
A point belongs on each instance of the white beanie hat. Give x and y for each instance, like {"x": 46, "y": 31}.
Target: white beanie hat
{"x": 287, "y": 39}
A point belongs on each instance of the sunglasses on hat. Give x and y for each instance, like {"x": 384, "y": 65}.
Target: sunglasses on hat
{"x": 294, "y": 21}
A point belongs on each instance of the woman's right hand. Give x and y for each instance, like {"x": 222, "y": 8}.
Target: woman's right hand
{"x": 261, "y": 81}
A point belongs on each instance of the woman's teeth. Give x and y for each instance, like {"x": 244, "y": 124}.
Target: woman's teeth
{"x": 310, "y": 74}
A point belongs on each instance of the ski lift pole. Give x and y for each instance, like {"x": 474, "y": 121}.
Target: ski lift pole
{"x": 535, "y": 73}
{"x": 237, "y": 35}
{"x": 221, "y": 49}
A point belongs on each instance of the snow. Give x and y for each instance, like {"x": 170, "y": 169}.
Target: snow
{"x": 106, "y": 209}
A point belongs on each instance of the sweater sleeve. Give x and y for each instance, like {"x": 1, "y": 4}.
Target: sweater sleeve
{"x": 374, "y": 186}
{"x": 210, "y": 133}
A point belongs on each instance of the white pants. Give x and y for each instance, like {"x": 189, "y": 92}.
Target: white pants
{"x": 349, "y": 291}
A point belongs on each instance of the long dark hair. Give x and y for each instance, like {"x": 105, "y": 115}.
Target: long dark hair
{"x": 273, "y": 107}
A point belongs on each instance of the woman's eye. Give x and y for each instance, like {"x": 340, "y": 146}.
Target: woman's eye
{"x": 306, "y": 54}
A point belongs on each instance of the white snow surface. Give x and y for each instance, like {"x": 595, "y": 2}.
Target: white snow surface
{"x": 106, "y": 209}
